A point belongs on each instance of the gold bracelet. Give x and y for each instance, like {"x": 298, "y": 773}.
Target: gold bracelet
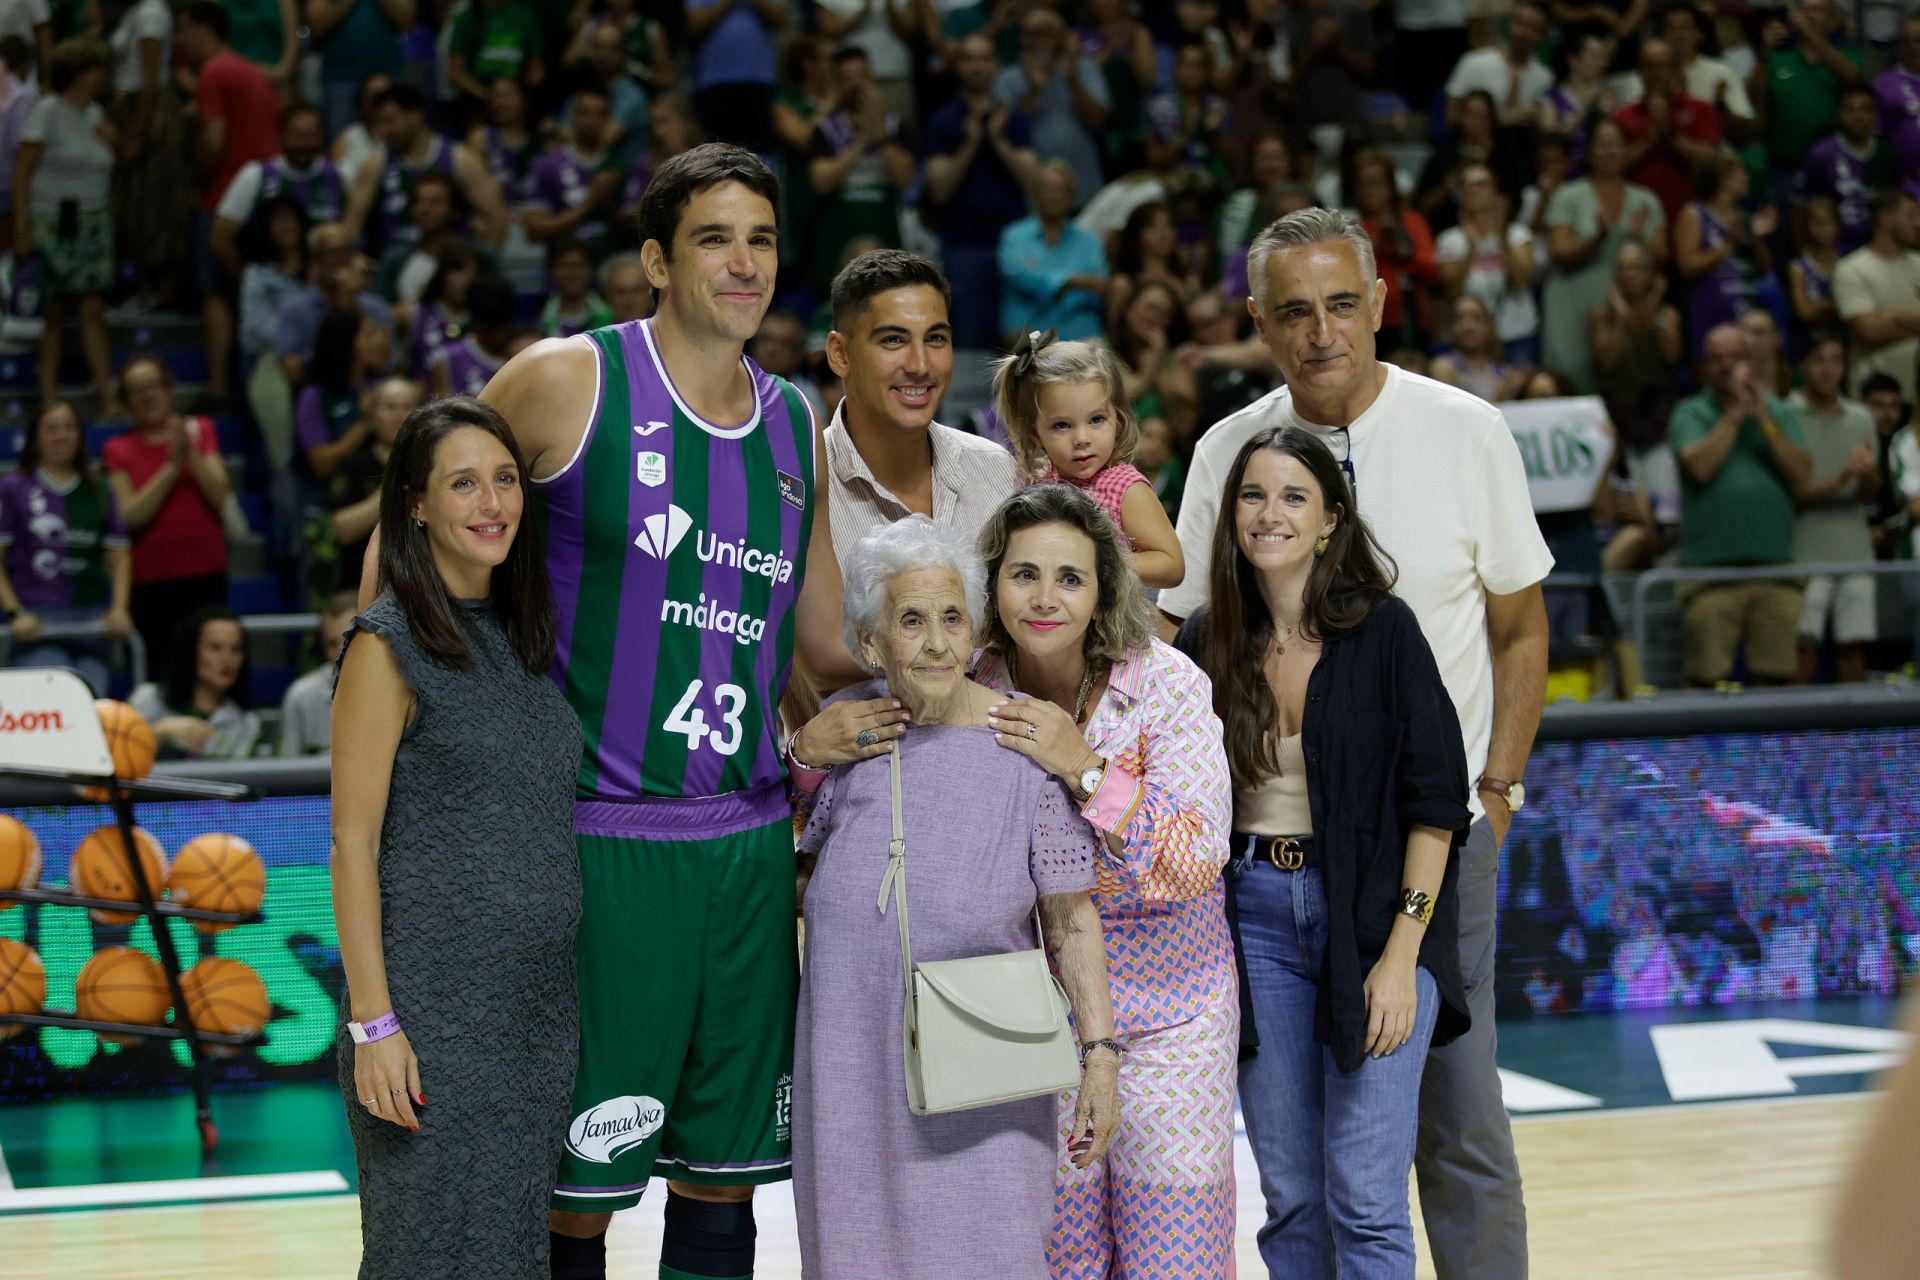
{"x": 1417, "y": 904}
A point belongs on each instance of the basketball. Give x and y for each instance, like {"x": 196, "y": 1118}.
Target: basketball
{"x": 226, "y": 996}
{"x": 100, "y": 870}
{"x": 122, "y": 985}
{"x": 217, "y": 872}
{"x": 130, "y": 741}
{"x": 19, "y": 857}
{"x": 23, "y": 984}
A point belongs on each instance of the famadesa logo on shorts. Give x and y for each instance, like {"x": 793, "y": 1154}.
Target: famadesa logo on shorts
{"x": 606, "y": 1129}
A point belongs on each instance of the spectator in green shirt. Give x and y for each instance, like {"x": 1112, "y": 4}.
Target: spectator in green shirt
{"x": 1808, "y": 62}
{"x": 1742, "y": 457}
{"x": 494, "y": 38}
{"x": 267, "y": 34}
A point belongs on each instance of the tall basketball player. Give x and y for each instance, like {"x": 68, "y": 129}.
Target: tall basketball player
{"x": 691, "y": 557}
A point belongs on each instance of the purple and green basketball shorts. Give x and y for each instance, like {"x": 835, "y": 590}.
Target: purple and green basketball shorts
{"x": 688, "y": 970}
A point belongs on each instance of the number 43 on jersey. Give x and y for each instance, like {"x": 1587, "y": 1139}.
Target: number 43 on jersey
{"x": 690, "y": 721}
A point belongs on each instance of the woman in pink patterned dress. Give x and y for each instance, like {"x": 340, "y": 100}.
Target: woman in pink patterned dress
{"x": 1127, "y": 723}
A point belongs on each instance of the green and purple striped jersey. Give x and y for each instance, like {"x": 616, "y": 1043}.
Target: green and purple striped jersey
{"x": 676, "y": 550}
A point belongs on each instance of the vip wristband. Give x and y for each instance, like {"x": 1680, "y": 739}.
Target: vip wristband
{"x": 378, "y": 1029}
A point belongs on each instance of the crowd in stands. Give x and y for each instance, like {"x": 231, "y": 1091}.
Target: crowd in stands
{"x": 1702, "y": 213}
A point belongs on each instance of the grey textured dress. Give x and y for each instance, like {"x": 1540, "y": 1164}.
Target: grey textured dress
{"x": 479, "y": 896}
{"x": 883, "y": 1194}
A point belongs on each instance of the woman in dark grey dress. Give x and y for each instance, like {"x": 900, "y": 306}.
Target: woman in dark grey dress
{"x": 455, "y": 883}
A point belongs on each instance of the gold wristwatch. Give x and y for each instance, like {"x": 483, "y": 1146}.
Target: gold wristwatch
{"x": 1511, "y": 793}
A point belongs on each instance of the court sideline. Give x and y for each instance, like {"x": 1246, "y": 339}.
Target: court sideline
{"x": 1730, "y": 1191}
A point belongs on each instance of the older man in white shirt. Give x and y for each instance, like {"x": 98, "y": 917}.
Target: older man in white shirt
{"x": 1437, "y": 476}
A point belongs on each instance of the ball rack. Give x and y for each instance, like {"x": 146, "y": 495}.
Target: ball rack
{"x": 121, "y": 793}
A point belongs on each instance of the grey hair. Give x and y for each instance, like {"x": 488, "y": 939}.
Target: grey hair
{"x": 618, "y": 262}
{"x": 1304, "y": 227}
{"x": 885, "y": 553}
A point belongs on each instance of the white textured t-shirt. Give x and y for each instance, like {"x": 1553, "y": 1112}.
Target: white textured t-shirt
{"x": 1440, "y": 482}
{"x": 1865, "y": 282}
{"x": 20, "y": 17}
{"x": 1515, "y": 315}
{"x": 1488, "y": 70}
{"x": 887, "y": 54}
{"x": 147, "y": 20}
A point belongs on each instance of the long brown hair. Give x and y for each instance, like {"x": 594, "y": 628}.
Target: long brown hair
{"x": 522, "y": 597}
{"x": 30, "y": 447}
{"x": 1348, "y": 582}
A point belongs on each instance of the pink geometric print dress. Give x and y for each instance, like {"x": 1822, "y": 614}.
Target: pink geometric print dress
{"x": 1161, "y": 1205}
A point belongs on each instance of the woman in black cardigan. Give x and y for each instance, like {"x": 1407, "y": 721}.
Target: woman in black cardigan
{"x": 1350, "y": 796}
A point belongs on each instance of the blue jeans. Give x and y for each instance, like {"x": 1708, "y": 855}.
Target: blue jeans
{"x": 1334, "y": 1148}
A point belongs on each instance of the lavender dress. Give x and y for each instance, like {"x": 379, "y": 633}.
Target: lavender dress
{"x": 880, "y": 1191}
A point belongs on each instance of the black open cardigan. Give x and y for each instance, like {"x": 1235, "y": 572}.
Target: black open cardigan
{"x": 1384, "y": 754}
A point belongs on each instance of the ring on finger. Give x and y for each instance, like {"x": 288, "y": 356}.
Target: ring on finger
{"x": 367, "y": 1102}
{"x": 865, "y": 738}
{"x": 1033, "y": 731}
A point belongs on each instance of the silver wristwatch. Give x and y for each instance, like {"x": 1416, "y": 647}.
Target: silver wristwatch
{"x": 1090, "y": 779}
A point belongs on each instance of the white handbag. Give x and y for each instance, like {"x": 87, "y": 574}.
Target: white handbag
{"x": 981, "y": 1030}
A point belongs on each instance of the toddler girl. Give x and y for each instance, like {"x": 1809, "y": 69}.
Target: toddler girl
{"x": 1065, "y": 407}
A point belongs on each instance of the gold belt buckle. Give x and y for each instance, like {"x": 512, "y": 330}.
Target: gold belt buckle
{"x": 1286, "y": 853}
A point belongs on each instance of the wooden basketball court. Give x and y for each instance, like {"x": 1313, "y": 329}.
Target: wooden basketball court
{"x": 1738, "y": 1191}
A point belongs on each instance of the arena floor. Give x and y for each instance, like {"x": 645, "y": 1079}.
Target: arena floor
{"x": 1672, "y": 1143}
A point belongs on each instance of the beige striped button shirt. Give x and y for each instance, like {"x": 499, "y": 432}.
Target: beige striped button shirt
{"x": 971, "y": 477}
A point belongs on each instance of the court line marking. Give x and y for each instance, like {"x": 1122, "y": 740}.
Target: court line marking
{"x": 234, "y": 1187}
{"x": 6, "y": 1174}
{"x": 1718, "y": 1104}
{"x": 123, "y": 1211}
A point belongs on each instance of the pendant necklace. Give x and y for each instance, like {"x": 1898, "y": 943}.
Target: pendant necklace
{"x": 1079, "y": 703}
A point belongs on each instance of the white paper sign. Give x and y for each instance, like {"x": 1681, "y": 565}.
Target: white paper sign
{"x": 1566, "y": 446}
{"x": 47, "y": 721}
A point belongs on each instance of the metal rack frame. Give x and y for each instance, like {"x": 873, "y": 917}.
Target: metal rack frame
{"x": 120, "y": 797}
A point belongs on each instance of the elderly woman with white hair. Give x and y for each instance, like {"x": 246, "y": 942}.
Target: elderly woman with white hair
{"x": 881, "y": 1191}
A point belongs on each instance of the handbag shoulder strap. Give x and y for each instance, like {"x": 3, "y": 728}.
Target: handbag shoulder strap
{"x": 896, "y": 876}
